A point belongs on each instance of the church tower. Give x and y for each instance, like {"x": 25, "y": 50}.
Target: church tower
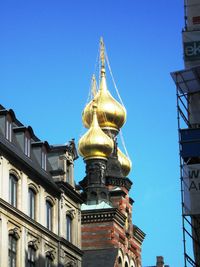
{"x": 109, "y": 237}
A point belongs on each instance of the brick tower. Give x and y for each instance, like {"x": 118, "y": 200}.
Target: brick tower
{"x": 109, "y": 237}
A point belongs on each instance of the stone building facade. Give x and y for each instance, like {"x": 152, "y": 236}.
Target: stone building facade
{"x": 40, "y": 210}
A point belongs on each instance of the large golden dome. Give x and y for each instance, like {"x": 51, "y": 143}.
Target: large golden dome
{"x": 110, "y": 113}
{"x": 124, "y": 161}
{"x": 95, "y": 143}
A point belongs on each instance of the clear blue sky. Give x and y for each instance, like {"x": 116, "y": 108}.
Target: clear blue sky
{"x": 48, "y": 51}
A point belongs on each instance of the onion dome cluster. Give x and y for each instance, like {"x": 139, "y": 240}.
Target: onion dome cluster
{"x": 102, "y": 113}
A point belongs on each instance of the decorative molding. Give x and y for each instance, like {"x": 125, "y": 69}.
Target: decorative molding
{"x": 14, "y": 232}
{"x": 62, "y": 200}
{"x": 119, "y": 182}
{"x": 34, "y": 243}
{"x": 69, "y": 191}
{"x": 79, "y": 215}
{"x": 103, "y": 215}
{"x": 71, "y": 263}
{"x": 37, "y": 226}
{"x": 71, "y": 213}
{"x": 138, "y": 234}
{"x": 51, "y": 253}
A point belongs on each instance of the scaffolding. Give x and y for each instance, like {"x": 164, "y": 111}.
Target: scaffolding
{"x": 188, "y": 88}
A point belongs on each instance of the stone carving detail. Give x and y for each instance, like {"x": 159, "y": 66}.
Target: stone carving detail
{"x": 71, "y": 213}
{"x": 34, "y": 243}
{"x": 51, "y": 254}
{"x": 14, "y": 232}
{"x": 72, "y": 149}
{"x": 71, "y": 264}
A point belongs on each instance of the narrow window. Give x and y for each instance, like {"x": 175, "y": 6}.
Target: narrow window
{"x": 12, "y": 251}
{"x": 31, "y": 256}
{"x": 69, "y": 228}
{"x": 27, "y": 144}
{"x": 8, "y": 128}
{"x": 49, "y": 214}
{"x": 48, "y": 261}
{"x": 126, "y": 264}
{"x": 32, "y": 200}
{"x": 13, "y": 190}
{"x": 44, "y": 159}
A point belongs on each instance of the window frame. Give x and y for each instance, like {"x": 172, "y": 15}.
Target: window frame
{"x": 44, "y": 158}
{"x": 13, "y": 188}
{"x": 48, "y": 261}
{"x": 8, "y": 128}
{"x": 32, "y": 202}
{"x": 31, "y": 252}
{"x": 68, "y": 221}
{"x": 27, "y": 144}
{"x": 12, "y": 253}
{"x": 49, "y": 214}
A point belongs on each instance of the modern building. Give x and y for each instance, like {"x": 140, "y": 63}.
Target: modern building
{"x": 188, "y": 109}
{"x": 109, "y": 237}
{"x": 40, "y": 210}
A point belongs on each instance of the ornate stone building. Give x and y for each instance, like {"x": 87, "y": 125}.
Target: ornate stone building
{"x": 109, "y": 237}
{"x": 40, "y": 219}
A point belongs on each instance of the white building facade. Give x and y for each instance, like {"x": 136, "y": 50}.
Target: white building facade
{"x": 40, "y": 218}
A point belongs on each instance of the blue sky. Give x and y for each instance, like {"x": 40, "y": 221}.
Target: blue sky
{"x": 48, "y": 51}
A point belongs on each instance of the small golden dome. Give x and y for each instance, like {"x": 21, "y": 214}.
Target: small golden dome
{"x": 95, "y": 143}
{"x": 124, "y": 161}
{"x": 110, "y": 113}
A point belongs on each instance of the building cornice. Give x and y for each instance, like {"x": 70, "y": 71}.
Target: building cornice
{"x": 103, "y": 215}
{"x": 138, "y": 234}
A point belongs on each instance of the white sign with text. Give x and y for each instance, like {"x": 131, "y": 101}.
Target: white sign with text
{"x": 191, "y": 189}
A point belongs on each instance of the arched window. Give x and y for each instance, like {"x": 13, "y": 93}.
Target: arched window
{"x": 13, "y": 190}
{"x": 49, "y": 215}
{"x": 12, "y": 251}
{"x": 126, "y": 264}
{"x": 31, "y": 256}
{"x": 32, "y": 203}
{"x": 69, "y": 228}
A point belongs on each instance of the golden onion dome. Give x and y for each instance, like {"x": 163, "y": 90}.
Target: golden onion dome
{"x": 124, "y": 161}
{"x": 95, "y": 143}
{"x": 110, "y": 113}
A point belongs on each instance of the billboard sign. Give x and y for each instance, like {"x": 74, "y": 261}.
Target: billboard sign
{"x": 191, "y": 189}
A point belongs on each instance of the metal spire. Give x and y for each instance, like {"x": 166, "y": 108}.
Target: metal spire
{"x": 94, "y": 86}
{"x": 102, "y": 56}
